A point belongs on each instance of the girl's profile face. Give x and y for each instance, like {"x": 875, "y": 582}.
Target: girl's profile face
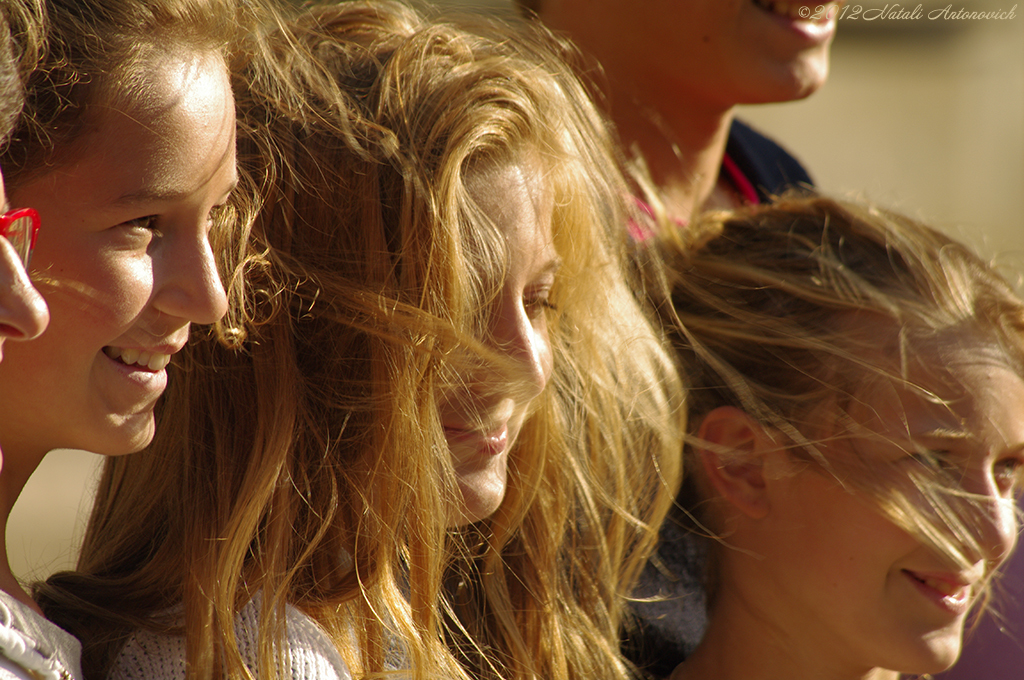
{"x": 852, "y": 585}
{"x": 124, "y": 261}
{"x": 481, "y": 426}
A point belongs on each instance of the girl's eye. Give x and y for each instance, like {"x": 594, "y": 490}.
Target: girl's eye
{"x": 937, "y": 461}
{"x": 1009, "y": 474}
{"x": 148, "y": 223}
{"x": 536, "y": 304}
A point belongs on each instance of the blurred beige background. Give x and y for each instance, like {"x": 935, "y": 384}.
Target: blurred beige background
{"x": 923, "y": 115}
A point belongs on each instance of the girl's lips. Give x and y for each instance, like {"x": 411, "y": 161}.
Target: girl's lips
{"x": 820, "y": 12}
{"x": 497, "y": 441}
{"x": 137, "y": 384}
{"x": 493, "y": 442}
{"x": 815, "y": 23}
{"x": 948, "y": 593}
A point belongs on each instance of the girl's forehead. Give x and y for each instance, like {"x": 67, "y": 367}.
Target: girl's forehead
{"x": 172, "y": 76}
{"x": 952, "y": 362}
{"x": 955, "y": 385}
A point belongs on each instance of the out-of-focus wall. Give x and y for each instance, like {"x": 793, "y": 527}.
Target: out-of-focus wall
{"x": 46, "y": 523}
{"x": 926, "y": 115}
{"x": 923, "y": 115}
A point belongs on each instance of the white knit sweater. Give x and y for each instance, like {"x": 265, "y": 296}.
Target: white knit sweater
{"x": 310, "y": 654}
{"x": 33, "y": 647}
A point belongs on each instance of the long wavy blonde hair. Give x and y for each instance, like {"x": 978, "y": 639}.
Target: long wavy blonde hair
{"x": 302, "y": 456}
{"x": 765, "y": 307}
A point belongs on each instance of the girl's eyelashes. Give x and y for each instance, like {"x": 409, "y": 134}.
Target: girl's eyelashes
{"x": 537, "y": 303}
{"x": 935, "y": 460}
{"x": 151, "y": 222}
{"x": 141, "y": 231}
{"x": 148, "y": 222}
{"x": 1009, "y": 474}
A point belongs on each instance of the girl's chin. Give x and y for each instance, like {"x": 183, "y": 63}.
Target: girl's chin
{"x": 482, "y": 494}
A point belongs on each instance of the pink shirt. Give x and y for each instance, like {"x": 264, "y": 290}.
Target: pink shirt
{"x": 641, "y": 233}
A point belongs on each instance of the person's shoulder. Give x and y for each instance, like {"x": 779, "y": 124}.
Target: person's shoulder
{"x": 33, "y": 647}
{"x": 309, "y": 651}
{"x": 767, "y": 165}
{"x": 151, "y": 655}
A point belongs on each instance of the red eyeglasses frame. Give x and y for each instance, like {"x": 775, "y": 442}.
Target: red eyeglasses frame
{"x": 22, "y": 240}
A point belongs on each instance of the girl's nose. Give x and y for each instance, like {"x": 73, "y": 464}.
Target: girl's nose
{"x": 996, "y": 521}
{"x": 526, "y": 342}
{"x": 192, "y": 289}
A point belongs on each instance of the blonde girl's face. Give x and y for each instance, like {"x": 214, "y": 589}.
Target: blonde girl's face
{"x": 124, "y": 261}
{"x": 482, "y": 423}
{"x": 860, "y": 591}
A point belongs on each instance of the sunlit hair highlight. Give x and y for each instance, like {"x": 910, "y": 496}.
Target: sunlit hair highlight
{"x": 93, "y": 53}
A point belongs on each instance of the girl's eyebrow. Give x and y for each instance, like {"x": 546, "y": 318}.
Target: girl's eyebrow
{"x": 553, "y": 264}
{"x": 945, "y": 433}
{"x": 150, "y": 195}
{"x": 160, "y": 195}
{"x": 957, "y": 436}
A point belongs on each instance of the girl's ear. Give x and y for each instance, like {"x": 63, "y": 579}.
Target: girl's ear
{"x": 732, "y": 451}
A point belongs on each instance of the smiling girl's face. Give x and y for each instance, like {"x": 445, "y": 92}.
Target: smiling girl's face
{"x": 124, "y": 262}
{"x": 846, "y": 582}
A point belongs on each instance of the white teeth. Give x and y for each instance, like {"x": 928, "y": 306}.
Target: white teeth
{"x": 944, "y": 587}
{"x": 154, "y": 361}
{"x": 159, "y": 361}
